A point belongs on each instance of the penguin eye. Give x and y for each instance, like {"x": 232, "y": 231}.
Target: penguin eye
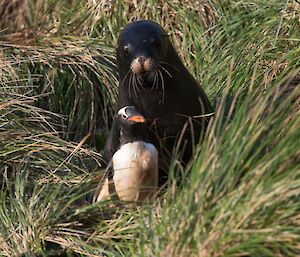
{"x": 124, "y": 116}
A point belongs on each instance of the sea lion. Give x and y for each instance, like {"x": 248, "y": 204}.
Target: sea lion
{"x": 153, "y": 78}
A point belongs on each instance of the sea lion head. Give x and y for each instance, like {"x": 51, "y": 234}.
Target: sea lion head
{"x": 141, "y": 50}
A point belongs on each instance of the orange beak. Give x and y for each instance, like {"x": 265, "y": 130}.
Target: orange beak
{"x": 137, "y": 118}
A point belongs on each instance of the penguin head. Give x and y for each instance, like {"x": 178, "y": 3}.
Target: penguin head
{"x": 129, "y": 116}
{"x": 132, "y": 125}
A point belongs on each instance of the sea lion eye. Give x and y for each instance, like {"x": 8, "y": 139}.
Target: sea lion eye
{"x": 156, "y": 44}
{"x": 126, "y": 48}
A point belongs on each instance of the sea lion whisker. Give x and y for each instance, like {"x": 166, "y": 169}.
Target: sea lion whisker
{"x": 153, "y": 79}
{"x": 130, "y": 84}
{"x": 171, "y": 65}
{"x": 135, "y": 86}
{"x": 129, "y": 72}
{"x": 154, "y": 85}
{"x": 162, "y": 85}
{"x": 140, "y": 80}
{"x": 151, "y": 76}
{"x": 134, "y": 83}
{"x": 166, "y": 71}
{"x": 139, "y": 83}
{"x": 157, "y": 80}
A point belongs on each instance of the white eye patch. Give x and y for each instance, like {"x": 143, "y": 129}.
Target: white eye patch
{"x": 127, "y": 112}
{"x": 122, "y": 112}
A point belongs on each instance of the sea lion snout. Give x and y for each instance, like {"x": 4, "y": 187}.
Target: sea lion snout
{"x": 141, "y": 59}
{"x": 143, "y": 64}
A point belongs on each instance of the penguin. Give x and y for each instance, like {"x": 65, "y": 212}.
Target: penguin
{"x": 132, "y": 173}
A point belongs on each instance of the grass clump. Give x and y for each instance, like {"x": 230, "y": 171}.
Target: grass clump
{"x": 242, "y": 194}
{"x": 58, "y": 84}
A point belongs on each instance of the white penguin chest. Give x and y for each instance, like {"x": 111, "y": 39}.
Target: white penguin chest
{"x": 134, "y": 155}
{"x": 135, "y": 173}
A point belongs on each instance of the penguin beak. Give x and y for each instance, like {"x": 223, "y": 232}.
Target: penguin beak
{"x": 137, "y": 119}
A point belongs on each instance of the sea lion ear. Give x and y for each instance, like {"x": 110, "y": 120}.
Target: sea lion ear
{"x": 165, "y": 34}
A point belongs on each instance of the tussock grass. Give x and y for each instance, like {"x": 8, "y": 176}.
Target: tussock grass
{"x": 241, "y": 190}
{"x": 58, "y": 84}
{"x": 73, "y": 76}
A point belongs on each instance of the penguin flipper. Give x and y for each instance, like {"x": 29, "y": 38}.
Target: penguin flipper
{"x": 102, "y": 190}
{"x": 106, "y": 188}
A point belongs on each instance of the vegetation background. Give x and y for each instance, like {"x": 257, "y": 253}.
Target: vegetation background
{"x": 58, "y": 84}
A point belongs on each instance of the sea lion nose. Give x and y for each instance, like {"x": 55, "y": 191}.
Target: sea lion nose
{"x": 141, "y": 59}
